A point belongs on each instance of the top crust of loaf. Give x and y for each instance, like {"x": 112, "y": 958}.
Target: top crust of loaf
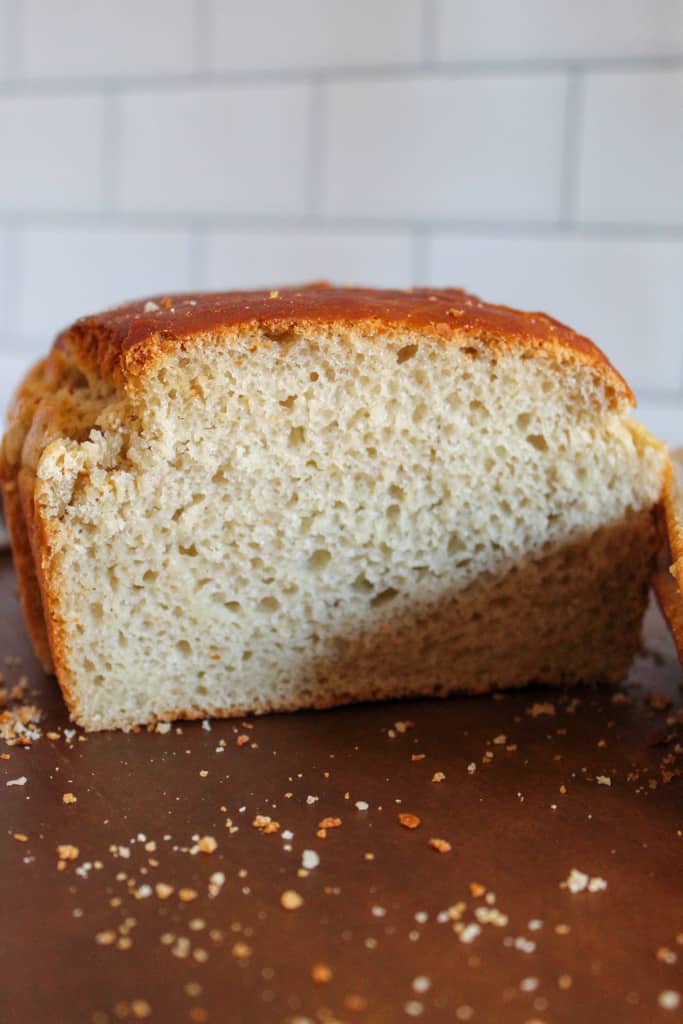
{"x": 125, "y": 343}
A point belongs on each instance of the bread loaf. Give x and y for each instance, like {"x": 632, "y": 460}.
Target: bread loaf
{"x": 258, "y": 501}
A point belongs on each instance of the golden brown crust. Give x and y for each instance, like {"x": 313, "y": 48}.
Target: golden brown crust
{"x": 673, "y": 509}
{"x": 24, "y": 565}
{"x": 669, "y": 584}
{"x": 17, "y": 494}
{"x": 121, "y": 343}
{"x": 671, "y": 603}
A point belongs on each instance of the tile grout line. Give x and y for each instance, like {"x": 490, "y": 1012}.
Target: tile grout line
{"x": 191, "y": 220}
{"x": 65, "y": 86}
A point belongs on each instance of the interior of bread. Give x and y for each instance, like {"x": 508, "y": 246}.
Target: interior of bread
{"x": 279, "y": 522}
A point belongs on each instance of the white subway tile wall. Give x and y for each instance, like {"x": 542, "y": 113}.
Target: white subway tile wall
{"x": 100, "y": 38}
{"x": 265, "y": 35}
{"x": 558, "y": 29}
{"x": 51, "y": 155}
{"x": 249, "y": 259}
{"x": 65, "y": 272}
{"x": 624, "y": 114}
{"x": 240, "y": 150}
{"x": 531, "y": 151}
{"x": 436, "y": 147}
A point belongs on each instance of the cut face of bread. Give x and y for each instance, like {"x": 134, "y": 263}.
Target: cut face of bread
{"x": 669, "y": 579}
{"x": 303, "y": 498}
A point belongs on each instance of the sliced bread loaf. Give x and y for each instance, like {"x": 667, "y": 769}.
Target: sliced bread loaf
{"x": 298, "y": 498}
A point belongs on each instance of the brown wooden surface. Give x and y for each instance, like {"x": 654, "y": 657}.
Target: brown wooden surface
{"x": 518, "y": 824}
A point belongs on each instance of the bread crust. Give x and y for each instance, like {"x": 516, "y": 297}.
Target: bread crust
{"x": 25, "y": 568}
{"x": 669, "y": 583}
{"x": 126, "y": 342}
{"x": 673, "y": 509}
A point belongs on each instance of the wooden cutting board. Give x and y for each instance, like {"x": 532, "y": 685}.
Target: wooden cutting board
{"x": 143, "y": 924}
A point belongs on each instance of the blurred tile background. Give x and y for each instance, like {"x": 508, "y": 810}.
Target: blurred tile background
{"x": 531, "y": 151}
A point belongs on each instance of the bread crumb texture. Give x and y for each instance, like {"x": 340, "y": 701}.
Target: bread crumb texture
{"x": 274, "y": 521}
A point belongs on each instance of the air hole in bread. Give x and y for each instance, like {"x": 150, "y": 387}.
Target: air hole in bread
{"x": 538, "y": 442}
{"x": 319, "y": 559}
{"x": 406, "y": 353}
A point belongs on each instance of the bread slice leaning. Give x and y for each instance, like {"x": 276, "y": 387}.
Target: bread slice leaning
{"x": 669, "y": 579}
{"x": 258, "y": 501}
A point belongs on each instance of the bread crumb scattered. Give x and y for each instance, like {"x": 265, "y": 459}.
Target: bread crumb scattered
{"x": 321, "y": 974}
{"x": 541, "y": 708}
{"x": 69, "y": 798}
{"x": 265, "y": 824}
{"x": 241, "y": 950}
{"x": 291, "y": 900}
{"x": 141, "y": 1009}
{"x": 469, "y": 933}
{"x": 440, "y": 845}
{"x": 578, "y": 881}
{"x": 66, "y": 851}
{"x": 355, "y": 1003}
{"x": 409, "y": 820}
{"x": 669, "y": 999}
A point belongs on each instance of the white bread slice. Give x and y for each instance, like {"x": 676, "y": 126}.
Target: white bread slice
{"x": 669, "y": 579}
{"x": 252, "y": 501}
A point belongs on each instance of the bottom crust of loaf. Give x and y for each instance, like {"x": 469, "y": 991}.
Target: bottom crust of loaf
{"x": 571, "y": 615}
